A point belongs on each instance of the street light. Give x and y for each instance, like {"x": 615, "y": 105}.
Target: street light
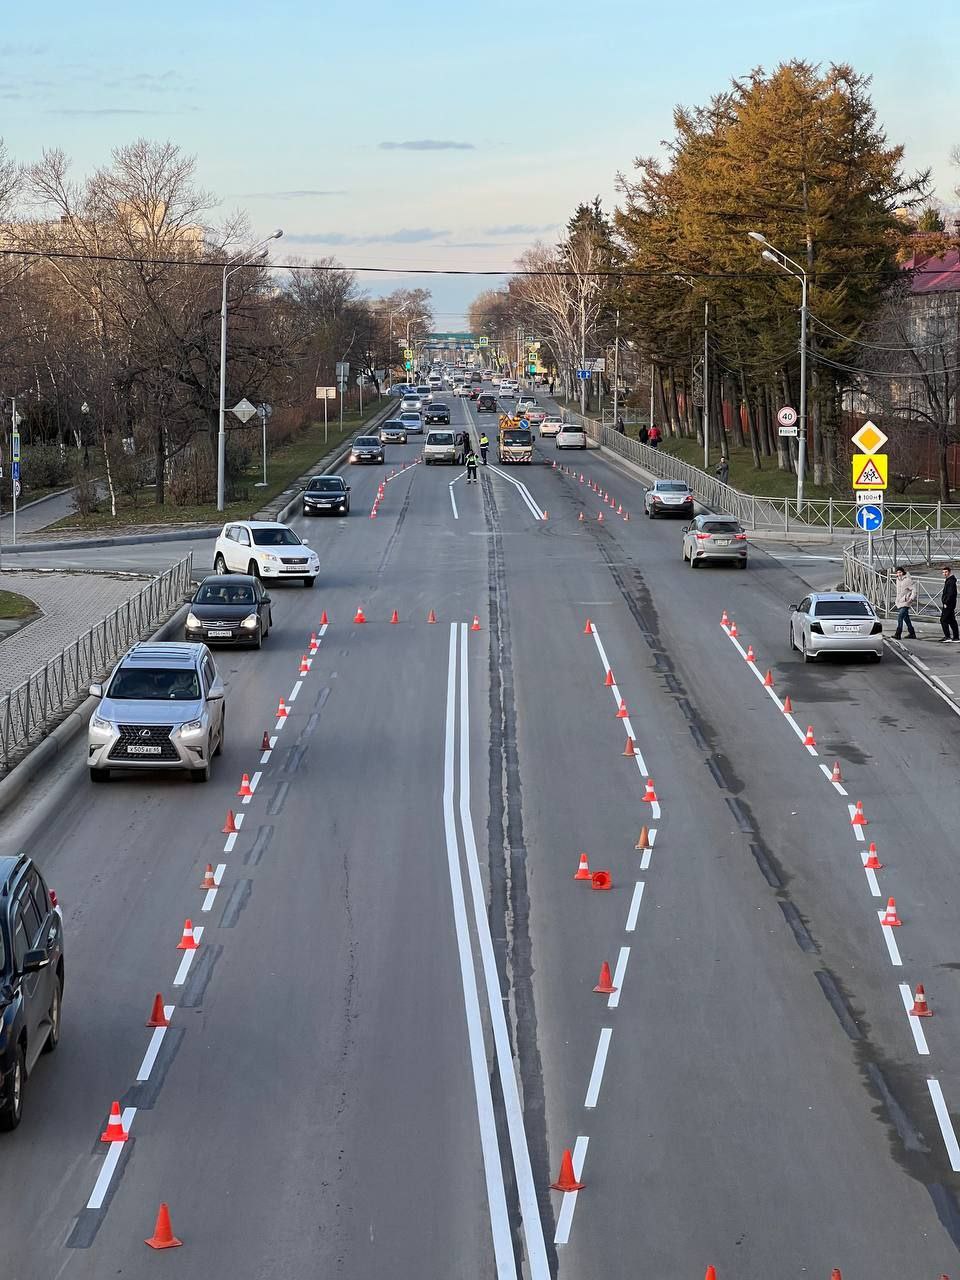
{"x": 779, "y": 259}
{"x": 233, "y": 265}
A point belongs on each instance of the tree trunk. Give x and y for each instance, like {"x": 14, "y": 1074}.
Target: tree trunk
{"x": 943, "y": 472}
{"x": 816, "y": 437}
{"x": 736, "y": 400}
{"x": 160, "y": 465}
{"x": 764, "y": 421}
{"x": 784, "y": 461}
{"x": 751, "y": 422}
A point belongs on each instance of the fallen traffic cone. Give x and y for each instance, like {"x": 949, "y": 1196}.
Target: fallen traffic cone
{"x": 209, "y": 879}
{"x": 475, "y": 624}
{"x": 808, "y": 739}
{"x": 324, "y": 620}
{"x": 643, "y": 840}
{"x": 890, "y": 916}
{"x": 304, "y": 665}
{"x": 158, "y": 1015}
{"x": 873, "y": 863}
{"x": 114, "y": 1132}
{"x": 920, "y": 1007}
{"x": 650, "y": 794}
{"x": 187, "y": 941}
{"x": 282, "y": 711}
{"x": 724, "y": 620}
{"x": 230, "y": 827}
{"x": 628, "y": 749}
{"x": 608, "y": 680}
{"x": 583, "y": 871}
{"x": 394, "y": 618}
{"x": 836, "y": 776}
{"x": 245, "y": 786}
{"x": 431, "y": 616}
{"x": 566, "y": 1181}
{"x": 768, "y": 680}
{"x": 733, "y": 630}
{"x": 750, "y": 655}
{"x": 588, "y": 628}
{"x": 859, "y": 819}
{"x": 265, "y": 742}
{"x": 601, "y": 880}
{"x": 787, "y": 706}
{"x": 605, "y": 986}
{"x": 358, "y": 616}
{"x": 163, "y": 1237}
{"x": 622, "y": 712}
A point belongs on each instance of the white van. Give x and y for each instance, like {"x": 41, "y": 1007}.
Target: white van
{"x": 444, "y": 446}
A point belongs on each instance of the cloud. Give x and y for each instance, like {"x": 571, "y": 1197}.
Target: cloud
{"x": 414, "y": 235}
{"x": 427, "y": 144}
{"x": 285, "y": 195}
{"x": 519, "y": 229}
{"x": 112, "y": 111}
{"x": 149, "y": 82}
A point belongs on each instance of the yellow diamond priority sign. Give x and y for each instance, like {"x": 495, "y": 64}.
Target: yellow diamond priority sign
{"x": 869, "y": 438}
{"x": 869, "y": 471}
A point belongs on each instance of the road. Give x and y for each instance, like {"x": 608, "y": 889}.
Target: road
{"x": 389, "y": 1032}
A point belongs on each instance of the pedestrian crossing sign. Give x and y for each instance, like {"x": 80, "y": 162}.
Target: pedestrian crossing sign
{"x": 869, "y": 471}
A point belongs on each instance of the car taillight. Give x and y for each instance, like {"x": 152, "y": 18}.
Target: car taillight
{"x": 701, "y": 537}
{"x": 815, "y": 626}
{"x": 688, "y": 498}
{"x": 741, "y": 537}
{"x": 53, "y": 899}
{"x": 876, "y": 629}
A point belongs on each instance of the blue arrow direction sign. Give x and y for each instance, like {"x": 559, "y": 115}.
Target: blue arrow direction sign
{"x": 584, "y": 373}
{"x": 870, "y": 518}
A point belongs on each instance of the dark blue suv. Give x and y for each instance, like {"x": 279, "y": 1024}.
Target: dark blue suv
{"x": 31, "y": 978}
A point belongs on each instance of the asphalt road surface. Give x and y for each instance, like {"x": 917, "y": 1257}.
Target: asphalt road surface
{"x": 389, "y": 1033}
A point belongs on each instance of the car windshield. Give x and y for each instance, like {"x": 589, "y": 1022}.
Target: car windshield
{"x": 410, "y": 417}
{"x": 367, "y": 442}
{"x": 517, "y": 437}
{"x": 720, "y": 526}
{"x": 327, "y": 484}
{"x": 281, "y": 537}
{"x": 441, "y": 437}
{"x": 572, "y": 431}
{"x": 671, "y": 486}
{"x": 440, "y": 408}
{"x": 842, "y": 609}
{"x": 224, "y": 593}
{"x": 148, "y": 684}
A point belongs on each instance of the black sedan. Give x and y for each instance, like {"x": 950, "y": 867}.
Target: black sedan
{"x": 325, "y": 494}
{"x": 366, "y": 449}
{"x": 229, "y": 609}
{"x": 437, "y": 413}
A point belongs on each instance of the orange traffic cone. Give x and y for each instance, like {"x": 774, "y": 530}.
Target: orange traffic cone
{"x": 711, "y": 1274}
{"x": 859, "y": 819}
{"x": 358, "y": 616}
{"x": 245, "y": 786}
{"x": 209, "y": 880}
{"x": 733, "y": 630}
{"x": 114, "y": 1132}
{"x": 566, "y": 1180}
{"x": 583, "y": 870}
{"x": 768, "y": 680}
{"x": 163, "y": 1237}
{"x": 304, "y": 665}
{"x": 835, "y": 1274}
{"x": 588, "y": 628}
{"x": 158, "y": 1015}
{"x": 546, "y": 514}
{"x": 809, "y": 740}
{"x": 605, "y": 986}
{"x": 890, "y": 916}
{"x": 230, "y": 827}
{"x": 600, "y": 516}
{"x": 265, "y": 742}
{"x": 431, "y": 616}
{"x": 282, "y": 711}
{"x": 324, "y": 620}
{"x": 836, "y": 776}
{"x": 920, "y": 1007}
{"x": 601, "y": 880}
{"x": 314, "y": 642}
{"x": 580, "y": 517}
{"x": 608, "y": 680}
{"x": 394, "y": 618}
{"x": 626, "y": 515}
{"x": 750, "y": 655}
{"x": 628, "y": 749}
{"x": 650, "y": 794}
{"x": 187, "y": 941}
{"x": 619, "y": 508}
{"x": 622, "y": 712}
{"x": 787, "y": 705}
{"x": 643, "y": 840}
{"x": 475, "y": 624}
{"x": 724, "y": 620}
{"x": 873, "y": 863}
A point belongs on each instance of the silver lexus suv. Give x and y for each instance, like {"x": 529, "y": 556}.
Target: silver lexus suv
{"x": 162, "y": 708}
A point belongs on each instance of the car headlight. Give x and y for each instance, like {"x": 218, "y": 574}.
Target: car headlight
{"x": 250, "y": 621}
{"x": 268, "y": 555}
{"x": 193, "y": 621}
{"x": 192, "y": 729}
{"x": 102, "y": 726}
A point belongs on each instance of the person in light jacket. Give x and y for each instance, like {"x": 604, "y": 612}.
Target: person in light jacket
{"x": 906, "y": 596}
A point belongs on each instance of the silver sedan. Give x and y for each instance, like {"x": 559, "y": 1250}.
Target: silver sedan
{"x": 714, "y": 538}
{"x": 835, "y": 622}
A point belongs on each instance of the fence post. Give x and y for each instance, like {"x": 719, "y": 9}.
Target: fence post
{"x": 929, "y": 561}
{"x": 786, "y": 515}
{"x": 830, "y": 515}
{"x": 939, "y": 515}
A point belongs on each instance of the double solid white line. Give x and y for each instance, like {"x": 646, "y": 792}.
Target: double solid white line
{"x": 506, "y": 1269}
{"x": 521, "y": 488}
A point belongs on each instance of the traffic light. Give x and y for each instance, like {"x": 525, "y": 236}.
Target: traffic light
{"x": 532, "y": 368}
{"x": 408, "y": 364}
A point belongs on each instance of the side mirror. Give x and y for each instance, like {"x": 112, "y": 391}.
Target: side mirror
{"x": 793, "y": 607}
{"x": 304, "y": 543}
{"x": 188, "y": 599}
{"x": 96, "y": 690}
{"x": 265, "y": 598}
{"x": 686, "y": 528}
{"x": 348, "y": 488}
{"x": 34, "y": 961}
{"x": 216, "y": 691}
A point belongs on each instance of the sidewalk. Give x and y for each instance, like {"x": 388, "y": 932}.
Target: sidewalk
{"x": 35, "y": 515}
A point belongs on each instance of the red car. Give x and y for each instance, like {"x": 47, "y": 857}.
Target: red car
{"x": 474, "y": 392}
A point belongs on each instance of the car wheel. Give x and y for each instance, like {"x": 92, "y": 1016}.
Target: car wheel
{"x": 11, "y": 1108}
{"x": 99, "y": 775}
{"x": 742, "y": 564}
{"x": 219, "y": 564}
{"x": 258, "y": 643}
{"x": 200, "y": 775}
{"x": 807, "y": 657}
{"x": 53, "y": 1038}
{"x": 308, "y": 582}
{"x": 253, "y": 569}
{"x": 693, "y": 563}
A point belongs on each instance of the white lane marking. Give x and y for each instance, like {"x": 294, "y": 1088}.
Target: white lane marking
{"x": 230, "y": 841}
{"x": 521, "y": 488}
{"x": 916, "y": 1026}
{"x": 891, "y": 941}
{"x": 569, "y": 1203}
{"x": 946, "y": 1124}
{"x": 871, "y": 876}
{"x": 153, "y": 1048}
{"x": 186, "y": 960}
{"x": 254, "y": 783}
{"x": 539, "y": 1268}
{"x": 210, "y": 896}
{"x": 399, "y": 473}
{"x": 265, "y": 758}
{"x": 600, "y": 649}
{"x": 108, "y": 1168}
{"x": 655, "y": 810}
{"x": 930, "y": 680}
{"x": 599, "y": 1062}
{"x": 294, "y": 691}
{"x": 618, "y": 974}
{"x": 828, "y": 774}
{"x": 648, "y": 852}
{"x": 453, "y": 503}
{"x": 493, "y": 1170}
{"x": 615, "y": 690}
{"x": 635, "y": 904}
{"x": 858, "y": 828}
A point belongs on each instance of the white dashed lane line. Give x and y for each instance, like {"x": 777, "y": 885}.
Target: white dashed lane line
{"x": 109, "y": 1166}
{"x": 569, "y": 1202}
{"x": 599, "y": 1062}
{"x": 186, "y": 959}
{"x": 153, "y": 1048}
{"x": 635, "y": 904}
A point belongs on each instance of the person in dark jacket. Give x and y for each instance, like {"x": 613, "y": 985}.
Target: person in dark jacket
{"x": 642, "y": 433}
{"x": 723, "y": 470}
{"x": 620, "y": 426}
{"x": 948, "y": 608}
{"x": 471, "y": 461}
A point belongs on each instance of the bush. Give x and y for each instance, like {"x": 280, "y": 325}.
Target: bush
{"x": 45, "y": 467}
{"x": 193, "y": 480}
{"x": 85, "y": 499}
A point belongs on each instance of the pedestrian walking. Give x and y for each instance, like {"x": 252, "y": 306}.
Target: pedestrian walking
{"x": 620, "y": 427}
{"x": 471, "y": 461}
{"x": 551, "y": 386}
{"x": 642, "y": 433}
{"x": 723, "y": 470}
{"x": 948, "y": 608}
{"x": 484, "y": 446}
{"x": 906, "y": 596}
{"x": 653, "y": 437}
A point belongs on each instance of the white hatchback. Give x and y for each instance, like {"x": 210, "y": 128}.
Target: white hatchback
{"x": 571, "y": 437}
{"x": 551, "y": 425}
{"x": 265, "y": 549}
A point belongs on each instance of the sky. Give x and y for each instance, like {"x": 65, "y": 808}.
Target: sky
{"x": 430, "y": 135}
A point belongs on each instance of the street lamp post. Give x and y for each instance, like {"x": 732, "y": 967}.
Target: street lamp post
{"x": 231, "y": 267}
{"x": 779, "y": 259}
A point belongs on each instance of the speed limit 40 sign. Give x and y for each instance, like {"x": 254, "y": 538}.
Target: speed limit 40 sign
{"x": 787, "y": 418}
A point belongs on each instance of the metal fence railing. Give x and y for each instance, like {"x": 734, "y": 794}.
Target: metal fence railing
{"x": 869, "y": 569}
{"x": 757, "y": 512}
{"x": 33, "y": 708}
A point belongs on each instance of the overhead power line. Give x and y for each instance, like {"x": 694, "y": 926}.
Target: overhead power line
{"x": 873, "y": 346}
{"x": 894, "y": 375}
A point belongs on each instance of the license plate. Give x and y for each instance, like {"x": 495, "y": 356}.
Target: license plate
{"x": 214, "y": 635}
{"x": 143, "y": 751}
{"x": 719, "y": 542}
{"x": 843, "y": 628}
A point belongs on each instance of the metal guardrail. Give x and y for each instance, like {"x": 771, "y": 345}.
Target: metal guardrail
{"x": 870, "y": 569}
{"x": 757, "y": 512}
{"x": 33, "y": 708}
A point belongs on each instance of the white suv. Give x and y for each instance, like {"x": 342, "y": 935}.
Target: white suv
{"x": 264, "y": 549}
